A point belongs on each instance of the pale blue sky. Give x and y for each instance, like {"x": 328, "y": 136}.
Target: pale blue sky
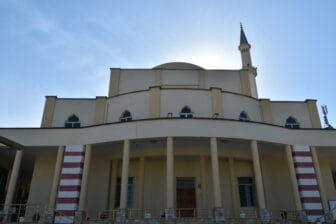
{"x": 66, "y": 48}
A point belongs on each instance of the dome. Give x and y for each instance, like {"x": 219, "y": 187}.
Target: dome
{"x": 177, "y": 65}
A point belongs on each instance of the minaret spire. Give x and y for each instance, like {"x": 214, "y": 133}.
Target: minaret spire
{"x": 244, "y": 48}
{"x": 243, "y": 39}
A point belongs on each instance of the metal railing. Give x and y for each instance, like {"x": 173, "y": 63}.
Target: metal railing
{"x": 21, "y": 213}
{"x": 37, "y": 213}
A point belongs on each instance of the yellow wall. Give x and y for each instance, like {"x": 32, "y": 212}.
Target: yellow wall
{"x": 42, "y": 178}
{"x": 277, "y": 183}
{"x": 327, "y": 178}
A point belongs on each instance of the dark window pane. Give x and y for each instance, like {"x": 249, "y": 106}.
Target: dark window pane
{"x": 68, "y": 125}
{"x": 130, "y": 192}
{"x": 245, "y": 188}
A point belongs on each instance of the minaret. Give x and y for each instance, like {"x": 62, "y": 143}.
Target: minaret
{"x": 244, "y": 48}
{"x": 248, "y": 73}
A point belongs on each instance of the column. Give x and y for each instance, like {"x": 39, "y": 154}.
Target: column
{"x": 218, "y": 209}
{"x": 203, "y": 183}
{"x": 141, "y": 181}
{"x": 319, "y": 179}
{"x": 234, "y": 187}
{"x": 57, "y": 172}
{"x": 292, "y": 173}
{"x": 170, "y": 173}
{"x": 124, "y": 174}
{"x": 13, "y": 179}
{"x": 113, "y": 183}
{"x": 258, "y": 175}
{"x": 215, "y": 173}
{"x": 85, "y": 177}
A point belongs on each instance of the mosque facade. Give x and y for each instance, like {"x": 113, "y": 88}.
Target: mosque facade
{"x": 172, "y": 142}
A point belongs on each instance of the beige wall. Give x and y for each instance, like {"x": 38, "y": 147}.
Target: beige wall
{"x": 42, "y": 178}
{"x": 282, "y": 110}
{"x": 173, "y": 101}
{"x": 136, "y": 103}
{"x": 186, "y": 78}
{"x": 83, "y": 109}
{"x": 136, "y": 79}
{"x": 234, "y": 104}
{"x": 227, "y": 80}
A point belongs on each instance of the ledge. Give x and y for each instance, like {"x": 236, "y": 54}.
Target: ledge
{"x": 175, "y": 127}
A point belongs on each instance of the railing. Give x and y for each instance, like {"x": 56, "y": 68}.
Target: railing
{"x": 193, "y": 215}
{"x": 36, "y": 213}
{"x": 20, "y": 213}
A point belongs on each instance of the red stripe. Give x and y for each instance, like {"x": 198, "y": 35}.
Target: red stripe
{"x": 303, "y": 164}
{"x": 67, "y": 200}
{"x": 301, "y": 154}
{"x": 72, "y": 165}
{"x": 64, "y": 213}
{"x": 312, "y": 200}
{"x": 308, "y": 187}
{"x": 71, "y": 176}
{"x": 74, "y": 153}
{"x": 69, "y": 188}
{"x": 315, "y": 212}
{"x": 305, "y": 176}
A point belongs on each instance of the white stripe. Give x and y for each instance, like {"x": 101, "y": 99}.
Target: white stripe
{"x": 307, "y": 181}
{"x": 64, "y": 219}
{"x": 309, "y": 194}
{"x": 309, "y": 206}
{"x": 73, "y": 159}
{"x": 301, "y": 148}
{"x": 70, "y": 182}
{"x": 68, "y": 194}
{"x": 74, "y": 148}
{"x": 66, "y": 206}
{"x": 77, "y": 170}
{"x": 303, "y": 159}
{"x": 300, "y": 170}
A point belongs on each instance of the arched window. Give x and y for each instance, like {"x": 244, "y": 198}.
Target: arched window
{"x": 72, "y": 122}
{"x": 292, "y": 123}
{"x": 186, "y": 112}
{"x": 243, "y": 116}
{"x": 126, "y": 116}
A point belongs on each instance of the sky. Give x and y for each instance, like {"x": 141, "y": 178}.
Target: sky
{"x": 65, "y": 48}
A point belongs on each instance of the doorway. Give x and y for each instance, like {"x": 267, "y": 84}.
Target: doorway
{"x": 185, "y": 196}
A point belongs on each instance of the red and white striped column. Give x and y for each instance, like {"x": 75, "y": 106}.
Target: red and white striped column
{"x": 307, "y": 182}
{"x": 70, "y": 184}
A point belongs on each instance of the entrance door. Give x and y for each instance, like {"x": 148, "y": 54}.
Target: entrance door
{"x": 185, "y": 197}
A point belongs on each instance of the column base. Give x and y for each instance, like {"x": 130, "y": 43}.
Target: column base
{"x": 265, "y": 216}
{"x": 48, "y": 217}
{"x": 169, "y": 214}
{"x": 121, "y": 216}
{"x": 80, "y": 217}
{"x": 218, "y": 214}
{"x": 301, "y": 216}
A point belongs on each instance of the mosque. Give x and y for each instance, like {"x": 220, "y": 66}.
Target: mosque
{"x": 173, "y": 142}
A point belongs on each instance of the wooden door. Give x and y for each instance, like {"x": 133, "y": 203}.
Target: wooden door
{"x": 185, "y": 197}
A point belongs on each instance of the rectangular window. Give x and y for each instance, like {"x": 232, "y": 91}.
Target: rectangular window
{"x": 130, "y": 192}
{"x": 245, "y": 185}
